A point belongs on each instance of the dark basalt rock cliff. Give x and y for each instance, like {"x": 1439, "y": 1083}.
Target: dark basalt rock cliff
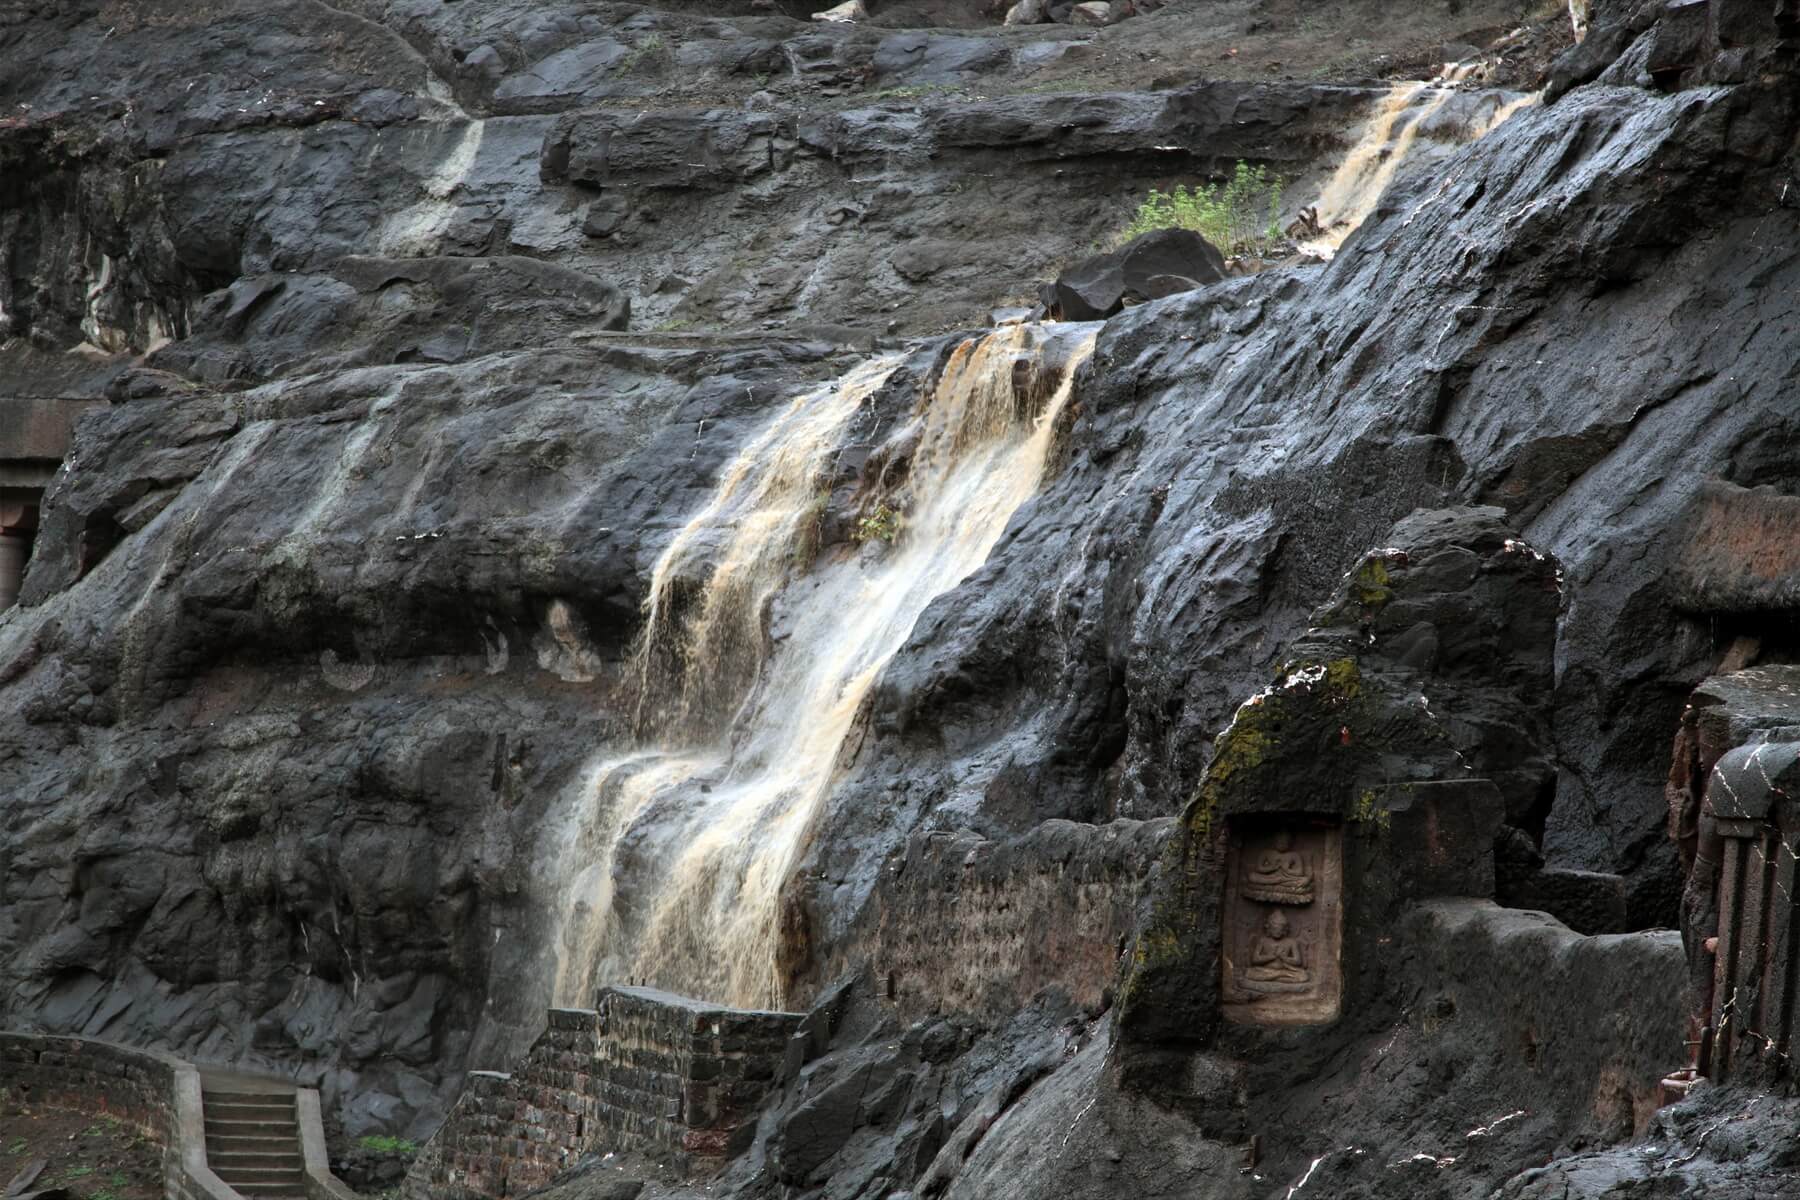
{"x": 415, "y": 331}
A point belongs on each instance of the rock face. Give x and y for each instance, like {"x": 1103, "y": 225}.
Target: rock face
{"x": 331, "y": 610}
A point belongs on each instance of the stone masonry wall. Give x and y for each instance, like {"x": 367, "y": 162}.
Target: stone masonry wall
{"x": 94, "y": 1077}
{"x": 643, "y": 1071}
{"x": 156, "y": 1093}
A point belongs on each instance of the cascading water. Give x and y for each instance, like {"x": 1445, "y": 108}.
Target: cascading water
{"x": 1413, "y": 116}
{"x": 751, "y": 683}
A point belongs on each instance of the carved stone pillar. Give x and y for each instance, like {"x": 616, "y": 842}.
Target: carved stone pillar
{"x": 1750, "y": 821}
{"x": 14, "y": 549}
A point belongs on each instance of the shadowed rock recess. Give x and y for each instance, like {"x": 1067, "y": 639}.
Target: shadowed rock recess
{"x": 560, "y": 584}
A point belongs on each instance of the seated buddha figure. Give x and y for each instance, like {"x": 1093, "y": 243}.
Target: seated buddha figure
{"x": 1276, "y": 961}
{"x": 1280, "y": 874}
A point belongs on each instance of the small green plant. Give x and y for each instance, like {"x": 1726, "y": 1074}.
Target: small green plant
{"x": 1239, "y": 216}
{"x": 883, "y": 524}
{"x": 16, "y": 1146}
{"x": 382, "y": 1143}
{"x": 80, "y": 1172}
{"x": 650, "y": 48}
{"x": 117, "y": 1179}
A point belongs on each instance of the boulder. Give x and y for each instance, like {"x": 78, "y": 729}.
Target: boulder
{"x": 1028, "y": 12}
{"x": 1093, "y": 12}
{"x": 846, "y": 13}
{"x": 1150, "y": 266}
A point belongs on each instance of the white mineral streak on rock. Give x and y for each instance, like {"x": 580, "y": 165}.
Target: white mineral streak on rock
{"x": 417, "y": 229}
{"x": 1484, "y": 1130}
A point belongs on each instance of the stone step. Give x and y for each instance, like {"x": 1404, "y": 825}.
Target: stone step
{"x": 258, "y": 1173}
{"x": 282, "y": 1188}
{"x": 243, "y": 1112}
{"x": 251, "y": 1099}
{"x": 267, "y": 1112}
{"x": 282, "y": 1159}
{"x": 251, "y": 1144}
{"x": 231, "y": 1118}
{"x": 249, "y": 1127}
{"x": 263, "y": 1177}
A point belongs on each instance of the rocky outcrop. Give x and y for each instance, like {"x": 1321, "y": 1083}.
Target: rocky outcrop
{"x": 1726, "y": 1144}
{"x": 1352, "y": 731}
{"x": 160, "y": 212}
{"x": 330, "y": 614}
{"x": 1235, "y": 439}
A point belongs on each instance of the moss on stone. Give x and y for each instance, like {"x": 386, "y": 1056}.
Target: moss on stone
{"x": 1371, "y": 584}
{"x": 1343, "y": 679}
{"x": 1244, "y": 746}
{"x": 1368, "y": 811}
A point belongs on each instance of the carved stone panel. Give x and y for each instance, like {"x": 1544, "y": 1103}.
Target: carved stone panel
{"x": 1284, "y": 918}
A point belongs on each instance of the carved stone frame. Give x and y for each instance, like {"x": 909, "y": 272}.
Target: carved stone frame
{"x": 1319, "y": 925}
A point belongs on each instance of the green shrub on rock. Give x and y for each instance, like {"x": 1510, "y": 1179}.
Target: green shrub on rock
{"x": 1239, "y": 216}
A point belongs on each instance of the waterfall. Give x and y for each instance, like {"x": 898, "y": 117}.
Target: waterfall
{"x": 1412, "y": 117}
{"x": 751, "y": 682}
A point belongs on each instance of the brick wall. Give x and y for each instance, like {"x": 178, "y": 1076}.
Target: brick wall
{"x": 643, "y": 1071}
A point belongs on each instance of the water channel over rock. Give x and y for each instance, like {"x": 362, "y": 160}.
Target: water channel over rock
{"x": 755, "y": 661}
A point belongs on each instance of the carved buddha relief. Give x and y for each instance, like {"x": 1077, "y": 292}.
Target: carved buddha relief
{"x": 1283, "y": 924}
{"x": 1277, "y": 961}
{"x": 1281, "y": 874}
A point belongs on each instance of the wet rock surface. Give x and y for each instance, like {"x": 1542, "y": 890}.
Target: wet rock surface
{"x": 1719, "y": 1144}
{"x": 423, "y": 328}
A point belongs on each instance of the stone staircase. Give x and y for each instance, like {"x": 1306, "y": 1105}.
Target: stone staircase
{"x": 253, "y": 1142}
